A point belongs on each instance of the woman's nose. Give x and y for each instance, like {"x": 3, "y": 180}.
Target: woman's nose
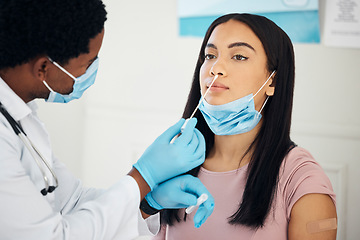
{"x": 219, "y": 68}
{"x": 214, "y": 74}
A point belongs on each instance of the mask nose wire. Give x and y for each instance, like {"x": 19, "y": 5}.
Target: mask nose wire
{"x": 263, "y": 85}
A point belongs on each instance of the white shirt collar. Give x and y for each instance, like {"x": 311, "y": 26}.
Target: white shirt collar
{"x": 16, "y": 107}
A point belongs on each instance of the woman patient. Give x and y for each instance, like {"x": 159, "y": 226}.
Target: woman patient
{"x": 264, "y": 186}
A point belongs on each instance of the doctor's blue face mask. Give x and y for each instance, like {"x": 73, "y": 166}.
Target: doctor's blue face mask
{"x": 235, "y": 117}
{"x": 80, "y": 84}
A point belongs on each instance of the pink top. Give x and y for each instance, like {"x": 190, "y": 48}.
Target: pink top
{"x": 299, "y": 175}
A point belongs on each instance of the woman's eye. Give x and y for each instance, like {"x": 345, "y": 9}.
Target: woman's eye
{"x": 209, "y": 56}
{"x": 239, "y": 57}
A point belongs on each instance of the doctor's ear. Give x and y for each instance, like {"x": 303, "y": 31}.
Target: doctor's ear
{"x": 41, "y": 67}
{"x": 270, "y": 90}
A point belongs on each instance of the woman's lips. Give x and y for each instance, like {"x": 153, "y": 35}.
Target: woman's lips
{"x": 217, "y": 87}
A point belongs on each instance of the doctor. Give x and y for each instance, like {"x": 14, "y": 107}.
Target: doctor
{"x": 49, "y": 50}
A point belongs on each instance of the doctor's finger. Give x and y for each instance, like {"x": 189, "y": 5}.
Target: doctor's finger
{"x": 197, "y": 150}
{"x": 201, "y": 215}
{"x": 193, "y": 185}
{"x": 187, "y": 134}
{"x": 201, "y": 146}
{"x": 193, "y": 144}
{"x": 209, "y": 204}
{"x": 172, "y": 131}
{"x": 185, "y": 199}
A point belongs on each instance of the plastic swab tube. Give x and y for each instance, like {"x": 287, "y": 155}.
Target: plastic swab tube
{"x": 200, "y": 201}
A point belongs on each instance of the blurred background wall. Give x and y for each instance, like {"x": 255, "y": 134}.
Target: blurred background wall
{"x": 142, "y": 85}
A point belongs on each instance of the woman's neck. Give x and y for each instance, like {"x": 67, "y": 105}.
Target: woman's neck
{"x": 229, "y": 152}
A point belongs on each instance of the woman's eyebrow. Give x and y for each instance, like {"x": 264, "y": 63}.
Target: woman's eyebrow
{"x": 241, "y": 44}
{"x": 211, "y": 45}
{"x": 232, "y": 45}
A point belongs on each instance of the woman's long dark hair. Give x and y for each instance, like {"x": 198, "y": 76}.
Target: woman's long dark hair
{"x": 273, "y": 142}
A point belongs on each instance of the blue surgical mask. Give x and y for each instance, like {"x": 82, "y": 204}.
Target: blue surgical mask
{"x": 235, "y": 117}
{"x": 80, "y": 84}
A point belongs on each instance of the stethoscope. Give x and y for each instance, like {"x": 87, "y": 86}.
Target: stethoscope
{"x": 32, "y": 149}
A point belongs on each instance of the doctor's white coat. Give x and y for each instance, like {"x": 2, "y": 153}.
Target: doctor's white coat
{"x": 71, "y": 211}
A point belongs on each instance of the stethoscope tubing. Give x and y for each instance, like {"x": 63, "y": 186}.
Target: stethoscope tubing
{"x": 33, "y": 151}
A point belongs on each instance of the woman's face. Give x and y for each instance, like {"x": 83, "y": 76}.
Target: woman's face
{"x": 235, "y": 53}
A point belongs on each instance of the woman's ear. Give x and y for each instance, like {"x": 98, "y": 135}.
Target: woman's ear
{"x": 270, "y": 90}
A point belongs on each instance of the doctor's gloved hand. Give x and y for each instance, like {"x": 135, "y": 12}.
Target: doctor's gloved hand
{"x": 163, "y": 160}
{"x": 182, "y": 192}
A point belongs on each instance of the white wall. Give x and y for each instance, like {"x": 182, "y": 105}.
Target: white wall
{"x": 141, "y": 88}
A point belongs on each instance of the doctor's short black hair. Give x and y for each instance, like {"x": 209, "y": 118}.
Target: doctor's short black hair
{"x": 60, "y": 29}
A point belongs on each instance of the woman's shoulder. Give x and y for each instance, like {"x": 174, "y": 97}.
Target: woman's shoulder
{"x": 300, "y": 175}
{"x": 299, "y": 166}
{"x": 298, "y": 157}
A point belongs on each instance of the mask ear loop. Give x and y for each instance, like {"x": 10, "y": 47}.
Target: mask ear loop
{"x": 263, "y": 84}
{"x": 48, "y": 87}
{"x": 257, "y": 115}
{"x": 262, "y": 107}
{"x": 62, "y": 69}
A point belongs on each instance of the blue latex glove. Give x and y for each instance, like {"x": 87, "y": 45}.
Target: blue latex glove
{"x": 182, "y": 192}
{"x": 163, "y": 160}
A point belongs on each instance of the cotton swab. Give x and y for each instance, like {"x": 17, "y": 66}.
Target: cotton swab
{"x": 197, "y": 107}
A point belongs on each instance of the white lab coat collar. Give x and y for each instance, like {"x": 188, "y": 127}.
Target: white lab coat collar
{"x": 17, "y": 108}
